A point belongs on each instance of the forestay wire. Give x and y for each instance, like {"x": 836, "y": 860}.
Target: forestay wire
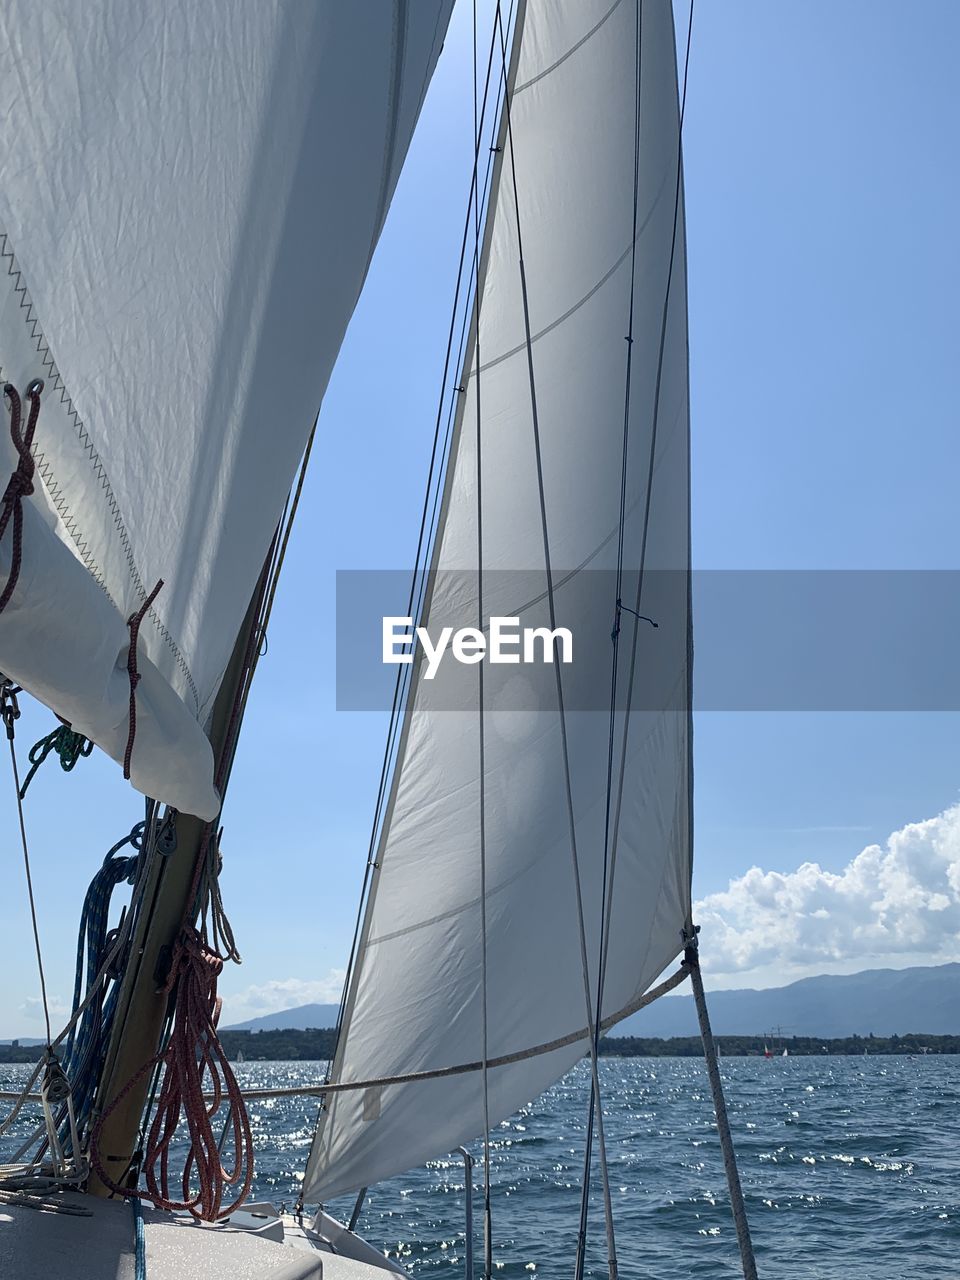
{"x": 443, "y": 430}
{"x": 485, "y": 1073}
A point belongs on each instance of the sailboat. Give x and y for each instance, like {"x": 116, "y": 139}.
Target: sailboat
{"x": 190, "y": 203}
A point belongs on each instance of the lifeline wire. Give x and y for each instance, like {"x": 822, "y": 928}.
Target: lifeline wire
{"x": 462, "y": 1068}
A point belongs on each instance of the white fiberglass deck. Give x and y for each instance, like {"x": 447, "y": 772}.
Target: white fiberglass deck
{"x": 90, "y": 1239}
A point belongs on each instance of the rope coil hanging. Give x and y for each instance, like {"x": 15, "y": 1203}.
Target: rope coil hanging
{"x": 20, "y": 484}
{"x": 68, "y": 745}
{"x": 193, "y": 1056}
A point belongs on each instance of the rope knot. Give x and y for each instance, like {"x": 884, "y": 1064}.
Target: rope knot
{"x": 20, "y": 484}
{"x": 68, "y": 746}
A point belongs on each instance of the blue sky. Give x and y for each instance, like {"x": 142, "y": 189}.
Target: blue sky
{"x": 822, "y": 207}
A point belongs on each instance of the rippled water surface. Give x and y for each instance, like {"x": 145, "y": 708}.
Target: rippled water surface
{"x": 851, "y": 1167}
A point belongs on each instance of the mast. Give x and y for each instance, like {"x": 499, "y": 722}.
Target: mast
{"x": 143, "y": 1003}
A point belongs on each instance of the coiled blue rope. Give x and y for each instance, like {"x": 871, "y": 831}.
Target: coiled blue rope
{"x": 84, "y": 1048}
{"x": 140, "y": 1256}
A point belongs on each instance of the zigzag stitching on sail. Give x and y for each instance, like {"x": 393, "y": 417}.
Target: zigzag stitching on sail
{"x": 56, "y": 496}
{"x": 52, "y": 374}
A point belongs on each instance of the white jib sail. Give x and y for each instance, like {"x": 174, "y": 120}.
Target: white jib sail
{"x": 190, "y": 194}
{"x": 416, "y": 999}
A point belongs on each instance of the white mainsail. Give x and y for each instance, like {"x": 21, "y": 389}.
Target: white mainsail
{"x": 419, "y": 986}
{"x": 190, "y": 195}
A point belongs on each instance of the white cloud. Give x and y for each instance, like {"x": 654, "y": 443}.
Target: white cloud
{"x": 32, "y": 1007}
{"x": 281, "y": 993}
{"x": 893, "y": 905}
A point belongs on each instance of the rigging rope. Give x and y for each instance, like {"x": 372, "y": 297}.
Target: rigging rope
{"x": 116, "y": 947}
{"x": 428, "y": 521}
{"x": 83, "y": 1057}
{"x": 692, "y": 962}
{"x": 611, "y": 842}
{"x": 609, "y": 854}
{"x": 211, "y": 901}
{"x": 20, "y": 484}
{"x": 64, "y": 1128}
{"x": 467, "y": 1068}
{"x": 192, "y": 1051}
{"x": 139, "y": 1240}
{"x": 463, "y": 1068}
{"x": 485, "y": 1080}
{"x": 133, "y": 622}
{"x": 68, "y": 746}
{"x": 192, "y": 1055}
{"x": 564, "y": 746}
{"x": 10, "y": 713}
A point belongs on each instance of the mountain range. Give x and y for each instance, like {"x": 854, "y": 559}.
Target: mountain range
{"x": 882, "y": 1002}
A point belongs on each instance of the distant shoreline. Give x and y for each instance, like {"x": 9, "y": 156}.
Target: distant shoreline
{"x": 318, "y": 1045}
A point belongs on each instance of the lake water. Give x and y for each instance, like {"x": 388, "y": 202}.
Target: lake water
{"x": 850, "y": 1166}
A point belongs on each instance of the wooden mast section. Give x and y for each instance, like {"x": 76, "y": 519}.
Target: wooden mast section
{"x": 143, "y": 1002}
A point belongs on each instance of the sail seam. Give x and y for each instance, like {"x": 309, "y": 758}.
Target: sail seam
{"x": 581, "y": 302}
{"x": 571, "y": 51}
{"x": 45, "y": 470}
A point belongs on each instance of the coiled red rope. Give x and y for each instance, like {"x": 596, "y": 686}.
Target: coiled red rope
{"x": 194, "y": 1063}
{"x": 20, "y": 484}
